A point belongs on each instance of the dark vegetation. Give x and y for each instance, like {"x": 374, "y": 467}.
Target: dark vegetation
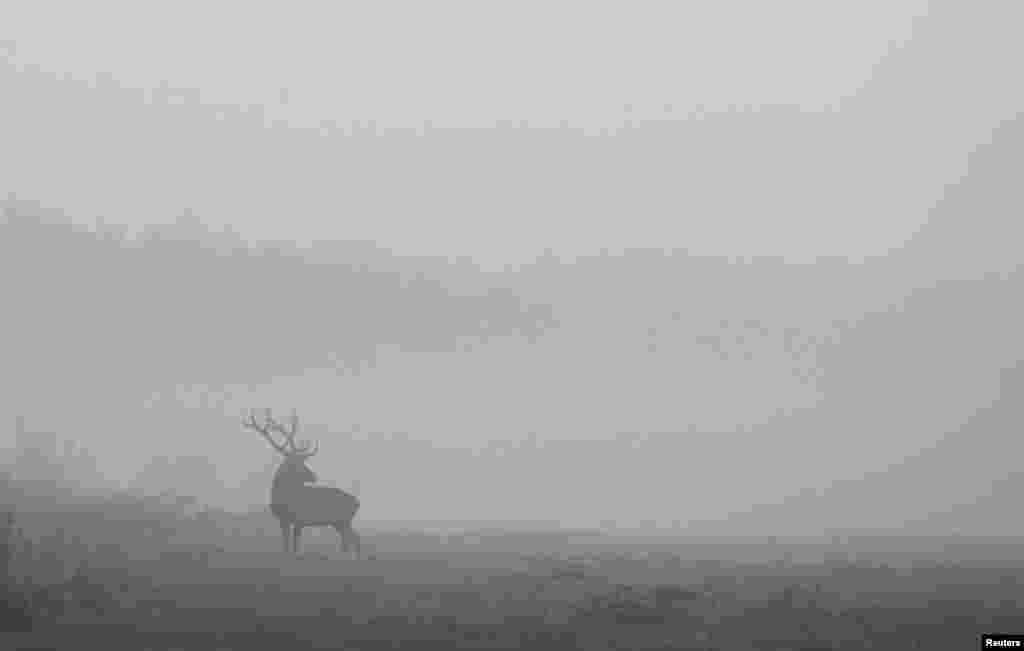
{"x": 157, "y": 573}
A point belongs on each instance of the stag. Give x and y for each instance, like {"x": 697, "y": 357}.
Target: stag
{"x": 294, "y": 501}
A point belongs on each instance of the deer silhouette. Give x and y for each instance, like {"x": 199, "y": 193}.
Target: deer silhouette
{"x": 294, "y": 499}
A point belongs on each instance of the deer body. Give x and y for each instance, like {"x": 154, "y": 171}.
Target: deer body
{"x": 315, "y": 506}
{"x": 295, "y": 502}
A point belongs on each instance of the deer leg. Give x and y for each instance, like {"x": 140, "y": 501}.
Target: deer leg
{"x": 340, "y": 528}
{"x": 354, "y": 537}
{"x": 285, "y": 535}
{"x": 296, "y": 535}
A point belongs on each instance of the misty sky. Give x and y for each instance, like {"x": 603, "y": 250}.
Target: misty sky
{"x": 719, "y": 235}
{"x": 594, "y": 65}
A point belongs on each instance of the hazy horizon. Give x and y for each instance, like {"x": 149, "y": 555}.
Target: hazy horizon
{"x": 777, "y": 288}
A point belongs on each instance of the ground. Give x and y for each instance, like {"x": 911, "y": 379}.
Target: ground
{"x": 122, "y": 576}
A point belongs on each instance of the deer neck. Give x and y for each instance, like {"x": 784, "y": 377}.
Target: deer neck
{"x": 284, "y": 483}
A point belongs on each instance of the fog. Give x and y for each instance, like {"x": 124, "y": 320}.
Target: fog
{"x": 762, "y": 283}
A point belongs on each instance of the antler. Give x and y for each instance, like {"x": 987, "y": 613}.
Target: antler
{"x": 288, "y": 448}
{"x": 264, "y": 429}
{"x": 289, "y": 435}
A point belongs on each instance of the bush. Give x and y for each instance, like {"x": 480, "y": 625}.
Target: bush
{"x": 15, "y": 610}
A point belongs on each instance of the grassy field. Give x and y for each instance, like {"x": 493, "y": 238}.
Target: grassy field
{"x": 137, "y": 575}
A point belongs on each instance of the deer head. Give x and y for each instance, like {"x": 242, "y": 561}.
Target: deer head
{"x": 293, "y": 468}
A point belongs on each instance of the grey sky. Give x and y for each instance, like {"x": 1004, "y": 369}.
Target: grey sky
{"x": 871, "y": 179}
{"x": 454, "y": 64}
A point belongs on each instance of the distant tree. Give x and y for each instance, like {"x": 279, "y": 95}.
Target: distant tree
{"x": 36, "y": 454}
{"x": 198, "y": 476}
{"x": 157, "y": 475}
{"x": 255, "y": 486}
{"x": 82, "y": 466}
{"x": 194, "y": 476}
